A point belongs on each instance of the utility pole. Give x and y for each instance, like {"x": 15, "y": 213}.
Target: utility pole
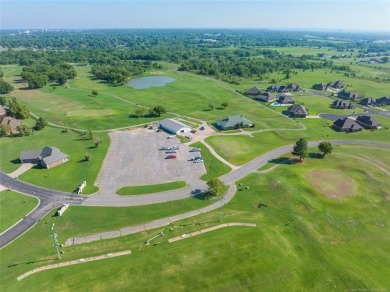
{"x": 55, "y": 241}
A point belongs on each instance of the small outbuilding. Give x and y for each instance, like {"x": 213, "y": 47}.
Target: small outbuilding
{"x": 174, "y": 127}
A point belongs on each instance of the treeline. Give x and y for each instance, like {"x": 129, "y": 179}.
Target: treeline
{"x": 37, "y": 75}
{"x": 119, "y": 72}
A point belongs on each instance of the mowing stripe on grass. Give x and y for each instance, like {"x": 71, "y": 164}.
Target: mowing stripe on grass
{"x": 148, "y": 189}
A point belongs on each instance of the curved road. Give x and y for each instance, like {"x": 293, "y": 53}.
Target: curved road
{"x": 50, "y": 199}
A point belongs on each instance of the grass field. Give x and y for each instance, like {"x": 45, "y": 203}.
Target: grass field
{"x": 214, "y": 167}
{"x": 13, "y": 206}
{"x": 115, "y": 106}
{"x": 328, "y": 244}
{"x": 239, "y": 149}
{"x": 139, "y": 190}
{"x": 65, "y": 177}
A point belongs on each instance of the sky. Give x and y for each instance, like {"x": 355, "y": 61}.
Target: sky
{"x": 355, "y": 15}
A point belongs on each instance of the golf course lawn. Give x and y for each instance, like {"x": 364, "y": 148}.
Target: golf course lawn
{"x": 239, "y": 149}
{"x": 73, "y": 105}
{"x": 304, "y": 240}
{"x": 13, "y": 206}
{"x": 67, "y": 176}
{"x": 148, "y": 189}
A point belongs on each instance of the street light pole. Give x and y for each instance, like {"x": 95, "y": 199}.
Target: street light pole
{"x": 55, "y": 241}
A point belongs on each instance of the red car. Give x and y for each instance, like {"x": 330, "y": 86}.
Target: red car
{"x": 171, "y": 157}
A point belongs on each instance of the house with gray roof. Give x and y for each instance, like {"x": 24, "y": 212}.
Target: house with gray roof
{"x": 368, "y": 101}
{"x": 266, "y": 96}
{"x": 297, "y": 111}
{"x": 234, "y": 122}
{"x": 348, "y": 95}
{"x": 320, "y": 86}
{"x": 383, "y": 101}
{"x": 347, "y": 125}
{"x": 286, "y": 99}
{"x": 368, "y": 122}
{"x": 174, "y": 127}
{"x": 253, "y": 91}
{"x": 48, "y": 157}
{"x": 336, "y": 84}
{"x": 343, "y": 104}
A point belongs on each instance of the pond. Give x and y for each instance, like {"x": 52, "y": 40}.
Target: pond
{"x": 149, "y": 81}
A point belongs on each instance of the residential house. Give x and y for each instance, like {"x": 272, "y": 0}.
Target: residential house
{"x": 321, "y": 86}
{"x": 368, "y": 122}
{"x": 254, "y": 91}
{"x": 174, "y": 126}
{"x": 293, "y": 87}
{"x": 347, "y": 125}
{"x": 281, "y": 88}
{"x": 234, "y": 122}
{"x": 336, "y": 85}
{"x": 266, "y": 96}
{"x": 368, "y": 101}
{"x": 342, "y": 104}
{"x": 286, "y": 99}
{"x": 297, "y": 111}
{"x": 11, "y": 124}
{"x": 47, "y": 157}
{"x": 383, "y": 101}
{"x": 348, "y": 95}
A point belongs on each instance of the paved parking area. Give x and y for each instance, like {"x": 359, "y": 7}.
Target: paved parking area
{"x": 134, "y": 158}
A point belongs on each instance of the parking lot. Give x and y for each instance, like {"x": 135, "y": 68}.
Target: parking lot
{"x": 134, "y": 158}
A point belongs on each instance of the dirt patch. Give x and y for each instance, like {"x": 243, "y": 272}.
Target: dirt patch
{"x": 332, "y": 183}
{"x": 89, "y": 113}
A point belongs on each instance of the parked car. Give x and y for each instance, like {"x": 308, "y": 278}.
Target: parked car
{"x": 195, "y": 150}
{"x": 171, "y": 151}
{"x": 171, "y": 136}
{"x": 165, "y": 148}
{"x": 201, "y": 128}
{"x": 174, "y": 148}
{"x": 193, "y": 131}
{"x": 170, "y": 156}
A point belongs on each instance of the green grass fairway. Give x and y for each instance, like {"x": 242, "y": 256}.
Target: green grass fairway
{"x": 214, "y": 167}
{"x": 329, "y": 244}
{"x": 65, "y": 177}
{"x": 147, "y": 189}
{"x": 13, "y": 206}
{"x": 115, "y": 106}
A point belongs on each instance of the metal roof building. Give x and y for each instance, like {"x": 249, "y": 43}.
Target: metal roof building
{"x": 174, "y": 126}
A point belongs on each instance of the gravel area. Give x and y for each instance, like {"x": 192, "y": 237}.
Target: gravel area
{"x": 135, "y": 158}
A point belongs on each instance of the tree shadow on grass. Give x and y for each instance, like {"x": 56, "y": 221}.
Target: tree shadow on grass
{"x": 315, "y": 155}
{"x": 280, "y": 160}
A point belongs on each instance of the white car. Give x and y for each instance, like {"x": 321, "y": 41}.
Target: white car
{"x": 171, "y": 136}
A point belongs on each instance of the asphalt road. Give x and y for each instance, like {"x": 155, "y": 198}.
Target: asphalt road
{"x": 48, "y": 200}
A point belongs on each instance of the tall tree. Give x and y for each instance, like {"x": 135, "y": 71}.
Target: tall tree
{"x": 5, "y": 87}
{"x": 216, "y": 187}
{"x": 300, "y": 149}
{"x": 40, "y": 124}
{"x": 325, "y": 148}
